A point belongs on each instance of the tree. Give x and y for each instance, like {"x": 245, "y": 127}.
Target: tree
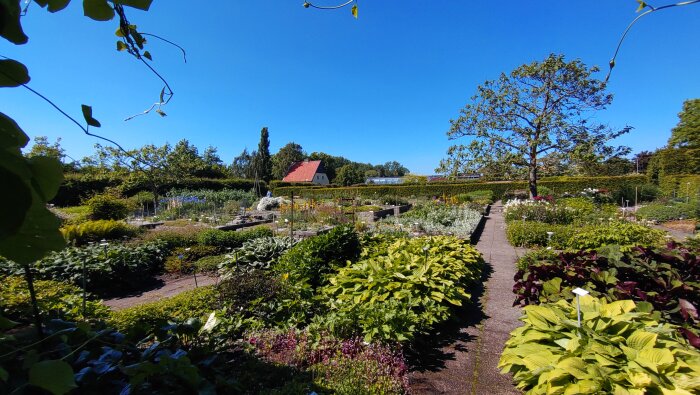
{"x": 184, "y": 160}
{"x": 687, "y": 133}
{"x": 394, "y": 169}
{"x": 150, "y": 165}
{"x": 330, "y": 163}
{"x": 213, "y": 165}
{"x": 349, "y": 175}
{"x": 641, "y": 161}
{"x": 242, "y": 166}
{"x": 537, "y": 109}
{"x": 285, "y": 158}
{"x": 262, "y": 163}
{"x": 42, "y": 147}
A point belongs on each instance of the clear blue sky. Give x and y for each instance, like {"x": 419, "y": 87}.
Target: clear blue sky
{"x": 380, "y": 88}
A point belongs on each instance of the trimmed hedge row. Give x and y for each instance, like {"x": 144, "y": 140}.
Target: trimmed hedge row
{"x": 77, "y": 187}
{"x": 681, "y": 184}
{"x": 499, "y": 188}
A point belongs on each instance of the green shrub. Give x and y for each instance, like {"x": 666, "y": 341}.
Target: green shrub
{"x": 667, "y": 212}
{"x": 624, "y": 234}
{"x": 112, "y": 268}
{"x": 223, "y": 239}
{"x": 620, "y": 348}
{"x": 106, "y": 206}
{"x": 313, "y": 258}
{"x": 255, "y": 298}
{"x": 182, "y": 259}
{"x": 185, "y": 236}
{"x": 414, "y": 286}
{"x": 260, "y": 253}
{"x": 531, "y": 234}
{"x": 211, "y": 263}
{"x": 55, "y": 300}
{"x": 581, "y": 205}
{"x": 540, "y": 211}
{"x": 139, "y": 321}
{"x": 482, "y": 197}
{"x": 97, "y": 230}
{"x": 73, "y": 215}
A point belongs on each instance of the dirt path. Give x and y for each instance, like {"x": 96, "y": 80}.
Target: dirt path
{"x": 470, "y": 366}
{"x": 170, "y": 287}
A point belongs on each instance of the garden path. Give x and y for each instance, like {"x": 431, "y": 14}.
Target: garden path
{"x": 471, "y": 365}
{"x": 170, "y": 287}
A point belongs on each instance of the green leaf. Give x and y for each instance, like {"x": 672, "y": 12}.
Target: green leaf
{"x": 640, "y": 340}
{"x": 54, "y": 5}
{"x": 121, "y": 46}
{"x": 13, "y": 206}
{"x": 161, "y": 113}
{"x": 6, "y": 324}
{"x": 642, "y": 5}
{"x": 38, "y": 235}
{"x": 12, "y": 73}
{"x": 4, "y": 375}
{"x": 10, "y": 22}
{"x": 11, "y": 136}
{"x": 354, "y": 11}
{"x": 48, "y": 175}
{"x": 140, "y": 4}
{"x": 147, "y": 55}
{"x": 55, "y": 376}
{"x": 98, "y": 10}
{"x": 87, "y": 114}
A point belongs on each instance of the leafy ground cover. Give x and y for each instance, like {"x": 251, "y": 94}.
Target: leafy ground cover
{"x": 621, "y": 348}
{"x": 667, "y": 277}
{"x": 329, "y": 314}
{"x": 436, "y": 219}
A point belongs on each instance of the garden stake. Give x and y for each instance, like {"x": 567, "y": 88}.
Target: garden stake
{"x": 579, "y": 292}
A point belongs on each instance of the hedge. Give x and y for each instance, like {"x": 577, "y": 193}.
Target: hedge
{"x": 677, "y": 185}
{"x": 499, "y": 188}
{"x": 77, "y": 187}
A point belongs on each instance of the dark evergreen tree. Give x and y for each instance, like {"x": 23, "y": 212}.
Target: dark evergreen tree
{"x": 262, "y": 162}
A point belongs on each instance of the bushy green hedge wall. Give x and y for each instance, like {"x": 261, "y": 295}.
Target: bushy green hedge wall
{"x": 558, "y": 185}
{"x": 681, "y": 184}
{"x": 77, "y": 187}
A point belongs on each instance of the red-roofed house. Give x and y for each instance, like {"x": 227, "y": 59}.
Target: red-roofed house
{"x": 311, "y": 171}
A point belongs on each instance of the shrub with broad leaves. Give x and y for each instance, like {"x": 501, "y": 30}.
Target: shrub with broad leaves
{"x": 620, "y": 348}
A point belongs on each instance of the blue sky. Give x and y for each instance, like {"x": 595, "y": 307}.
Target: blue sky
{"x": 379, "y": 88}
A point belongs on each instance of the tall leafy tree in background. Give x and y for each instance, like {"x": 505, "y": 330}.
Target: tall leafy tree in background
{"x": 286, "y": 157}
{"x": 262, "y": 162}
{"x": 242, "y": 166}
{"x": 184, "y": 160}
{"x": 537, "y": 109}
{"x": 687, "y": 133}
{"x": 682, "y": 155}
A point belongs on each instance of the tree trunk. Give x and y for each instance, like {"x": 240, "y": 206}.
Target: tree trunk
{"x": 532, "y": 177}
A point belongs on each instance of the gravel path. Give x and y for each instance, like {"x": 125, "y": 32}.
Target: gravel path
{"x": 170, "y": 287}
{"x": 470, "y": 366}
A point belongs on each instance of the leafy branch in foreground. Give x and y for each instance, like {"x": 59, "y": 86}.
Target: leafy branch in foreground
{"x": 335, "y": 7}
{"x": 651, "y": 9}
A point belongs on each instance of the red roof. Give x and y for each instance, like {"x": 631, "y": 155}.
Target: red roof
{"x": 303, "y": 171}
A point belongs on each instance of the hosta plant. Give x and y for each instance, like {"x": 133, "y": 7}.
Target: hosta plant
{"x": 259, "y": 253}
{"x": 620, "y": 348}
{"x": 668, "y": 278}
{"x": 414, "y": 286}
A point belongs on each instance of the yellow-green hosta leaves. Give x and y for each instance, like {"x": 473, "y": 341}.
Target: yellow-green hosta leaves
{"x": 414, "y": 285}
{"x": 619, "y": 349}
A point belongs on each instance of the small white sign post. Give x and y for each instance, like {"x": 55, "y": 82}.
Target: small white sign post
{"x": 579, "y": 292}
